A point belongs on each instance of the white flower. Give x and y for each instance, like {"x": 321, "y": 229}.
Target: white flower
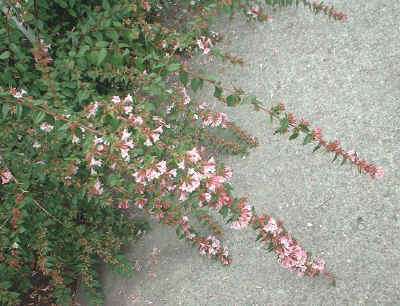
{"x": 46, "y": 127}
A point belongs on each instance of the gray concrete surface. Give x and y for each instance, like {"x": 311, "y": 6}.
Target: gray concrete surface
{"x": 345, "y": 78}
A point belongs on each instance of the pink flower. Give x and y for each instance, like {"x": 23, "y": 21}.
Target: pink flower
{"x": 46, "y": 127}
{"x": 185, "y": 96}
{"x": 352, "y": 155}
{"x": 17, "y": 94}
{"x": 193, "y": 155}
{"x": 318, "y": 265}
{"x": 128, "y": 99}
{"x": 6, "y": 176}
{"x": 228, "y": 173}
{"x": 135, "y": 120}
{"x": 272, "y": 227}
{"x": 244, "y": 218}
{"x": 379, "y": 173}
{"x": 204, "y": 44}
{"x": 116, "y": 100}
{"x": 125, "y": 145}
{"x": 181, "y": 164}
{"x": 204, "y": 197}
{"x": 214, "y": 182}
{"x": 140, "y": 176}
{"x": 124, "y": 204}
{"x": 291, "y": 255}
{"x": 162, "y": 167}
{"x": 141, "y": 203}
{"x": 97, "y": 188}
{"x": 254, "y": 11}
{"x": 95, "y": 163}
{"x": 223, "y": 200}
{"x": 91, "y": 109}
{"x": 317, "y": 134}
{"x": 128, "y": 109}
{"x": 215, "y": 120}
{"x": 209, "y": 167}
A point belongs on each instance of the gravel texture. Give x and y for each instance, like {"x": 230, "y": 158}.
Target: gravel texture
{"x": 344, "y": 78}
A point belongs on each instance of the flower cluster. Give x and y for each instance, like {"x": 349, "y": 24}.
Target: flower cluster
{"x": 214, "y": 119}
{"x": 335, "y": 147}
{"x": 211, "y": 246}
{"x": 290, "y": 122}
{"x": 204, "y": 44}
{"x": 5, "y": 176}
{"x": 290, "y": 254}
{"x": 245, "y": 215}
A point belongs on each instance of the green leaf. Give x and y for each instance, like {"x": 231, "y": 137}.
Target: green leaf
{"x": 101, "y": 55}
{"x": 173, "y": 67}
{"x": 218, "y": 92}
{"x": 5, "y": 55}
{"x": 184, "y": 77}
{"x": 294, "y": 135}
{"x": 196, "y": 84}
{"x": 316, "y": 148}
{"x": 39, "y": 117}
{"x": 5, "y": 110}
{"x": 233, "y": 100}
{"x": 307, "y": 139}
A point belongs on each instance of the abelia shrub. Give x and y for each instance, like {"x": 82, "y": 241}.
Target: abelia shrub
{"x": 97, "y": 121}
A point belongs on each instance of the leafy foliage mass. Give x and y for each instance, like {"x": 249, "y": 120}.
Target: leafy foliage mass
{"x": 96, "y": 117}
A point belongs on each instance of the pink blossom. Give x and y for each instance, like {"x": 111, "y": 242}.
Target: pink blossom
{"x": 209, "y": 167}
{"x": 204, "y": 197}
{"x": 91, "y": 109}
{"x": 204, "y": 44}
{"x": 75, "y": 139}
{"x": 181, "y": 164}
{"x": 228, "y": 173}
{"x": 18, "y": 94}
{"x": 291, "y": 255}
{"x": 97, "y": 188}
{"x": 162, "y": 167}
{"x": 95, "y": 163}
{"x": 379, "y": 173}
{"x": 141, "y": 203}
{"x": 214, "y": 182}
{"x": 126, "y": 144}
{"x": 193, "y": 155}
{"x": 317, "y": 134}
{"x": 128, "y": 109}
{"x": 215, "y": 120}
{"x": 245, "y": 217}
{"x": 254, "y": 11}
{"x": 124, "y": 204}
{"x": 116, "y": 100}
{"x": 128, "y": 99}
{"x": 46, "y": 127}
{"x": 272, "y": 227}
{"x": 352, "y": 155}
{"x": 172, "y": 172}
{"x": 135, "y": 120}
{"x": 318, "y": 265}
{"x": 223, "y": 200}
{"x": 140, "y": 176}
{"x": 6, "y": 176}
{"x": 185, "y": 96}
{"x": 210, "y": 247}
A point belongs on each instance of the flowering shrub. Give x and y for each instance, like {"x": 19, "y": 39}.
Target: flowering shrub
{"x": 97, "y": 120}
